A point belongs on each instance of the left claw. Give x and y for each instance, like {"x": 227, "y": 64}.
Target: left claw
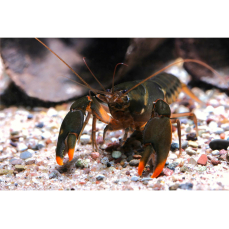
{"x": 69, "y": 132}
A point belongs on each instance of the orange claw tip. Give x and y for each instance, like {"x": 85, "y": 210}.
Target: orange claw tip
{"x": 71, "y": 154}
{"x": 158, "y": 169}
{"x": 141, "y": 167}
{"x": 59, "y": 160}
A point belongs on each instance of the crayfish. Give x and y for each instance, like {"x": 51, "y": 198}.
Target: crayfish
{"x": 130, "y": 106}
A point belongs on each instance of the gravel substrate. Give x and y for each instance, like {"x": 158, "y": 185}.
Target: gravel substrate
{"x": 28, "y": 140}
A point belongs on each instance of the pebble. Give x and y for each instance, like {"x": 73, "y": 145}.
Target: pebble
{"x": 3, "y": 158}
{"x": 172, "y": 156}
{"x": 184, "y": 168}
{"x": 167, "y": 172}
{"x": 21, "y": 147}
{"x": 190, "y": 151}
{"x": 201, "y": 169}
{"x": 39, "y": 125}
{"x": 100, "y": 177}
{"x": 222, "y": 136}
{"x": 186, "y": 186}
{"x": 188, "y": 129}
{"x": 135, "y": 178}
{"x": 173, "y": 165}
{"x": 174, "y": 146}
{"x": 108, "y": 164}
{"x": 193, "y": 144}
{"x": 30, "y": 161}
{"x": 215, "y": 152}
{"x": 219, "y": 144}
{"x": 191, "y": 136}
{"x": 39, "y": 146}
{"x": 125, "y": 164}
{"x": 203, "y": 159}
{"x": 30, "y": 116}
{"x": 219, "y": 130}
{"x": 1, "y": 148}
{"x": 54, "y": 174}
{"x": 95, "y": 155}
{"x": 46, "y": 135}
{"x": 174, "y": 187}
{"x": 5, "y": 171}
{"x": 214, "y": 161}
{"x": 123, "y": 180}
{"x": 85, "y": 139}
{"x": 192, "y": 161}
{"x": 184, "y": 144}
{"x": 104, "y": 160}
{"x": 15, "y": 161}
{"x": 20, "y": 167}
{"x": 25, "y": 155}
{"x": 134, "y": 162}
{"x": 116, "y": 154}
{"x": 13, "y": 133}
{"x": 222, "y": 152}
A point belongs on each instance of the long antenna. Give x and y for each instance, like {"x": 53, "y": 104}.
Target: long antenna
{"x": 93, "y": 74}
{"x": 114, "y": 75}
{"x": 174, "y": 63}
{"x": 94, "y": 90}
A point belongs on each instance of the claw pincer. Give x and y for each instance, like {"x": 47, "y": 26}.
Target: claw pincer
{"x": 70, "y": 129}
{"x": 157, "y": 137}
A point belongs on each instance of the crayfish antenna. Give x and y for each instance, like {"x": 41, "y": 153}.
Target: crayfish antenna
{"x": 114, "y": 75}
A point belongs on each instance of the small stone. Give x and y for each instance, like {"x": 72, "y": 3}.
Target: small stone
{"x": 22, "y": 147}
{"x": 123, "y": 180}
{"x": 30, "y": 162}
{"x": 193, "y": 144}
{"x": 219, "y": 144}
{"x": 174, "y": 187}
{"x": 172, "y": 156}
{"x": 203, "y": 159}
{"x": 215, "y": 152}
{"x": 25, "y": 155}
{"x": 100, "y": 177}
{"x": 192, "y": 161}
{"x": 125, "y": 164}
{"x": 108, "y": 164}
{"x": 219, "y": 130}
{"x": 174, "y": 146}
{"x": 167, "y": 172}
{"x": 14, "y": 161}
{"x": 4, "y": 171}
{"x": 13, "y": 133}
{"x": 134, "y": 162}
{"x": 184, "y": 168}
{"x": 191, "y": 136}
{"x": 222, "y": 135}
{"x": 45, "y": 135}
{"x": 129, "y": 158}
{"x": 95, "y": 155}
{"x": 222, "y": 152}
{"x": 188, "y": 129}
{"x": 85, "y": 139}
{"x": 186, "y": 186}
{"x": 214, "y": 161}
{"x": 116, "y": 154}
{"x": 135, "y": 178}
{"x": 184, "y": 144}
{"x": 137, "y": 156}
{"x": 20, "y": 167}
{"x": 54, "y": 174}
{"x": 86, "y": 170}
{"x": 3, "y": 158}
{"x": 30, "y": 116}
{"x": 104, "y": 160}
{"x": 39, "y": 125}
{"x": 127, "y": 173}
{"x": 190, "y": 151}
{"x": 39, "y": 146}
{"x": 201, "y": 169}
{"x": 173, "y": 165}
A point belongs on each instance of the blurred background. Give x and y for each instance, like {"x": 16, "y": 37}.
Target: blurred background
{"x": 32, "y": 76}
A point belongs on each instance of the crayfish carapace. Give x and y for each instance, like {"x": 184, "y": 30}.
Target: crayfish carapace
{"x": 137, "y": 105}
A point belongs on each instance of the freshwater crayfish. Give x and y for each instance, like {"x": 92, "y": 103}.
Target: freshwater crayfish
{"x": 132, "y": 106}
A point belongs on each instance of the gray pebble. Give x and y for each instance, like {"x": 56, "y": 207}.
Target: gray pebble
{"x": 54, "y": 174}
{"x": 100, "y": 177}
{"x": 173, "y": 165}
{"x": 135, "y": 178}
{"x": 184, "y": 168}
{"x": 219, "y": 130}
{"x": 15, "y": 161}
{"x": 186, "y": 186}
{"x": 215, "y": 152}
{"x": 125, "y": 164}
{"x": 129, "y": 158}
{"x": 190, "y": 151}
{"x": 116, "y": 154}
{"x": 184, "y": 144}
{"x": 123, "y": 180}
{"x": 134, "y": 162}
{"x": 174, "y": 146}
{"x": 25, "y": 155}
{"x": 146, "y": 179}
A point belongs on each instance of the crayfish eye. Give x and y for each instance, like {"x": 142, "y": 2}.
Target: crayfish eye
{"x": 123, "y": 91}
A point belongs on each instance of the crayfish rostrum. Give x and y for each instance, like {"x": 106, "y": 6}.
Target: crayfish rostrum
{"x": 131, "y": 106}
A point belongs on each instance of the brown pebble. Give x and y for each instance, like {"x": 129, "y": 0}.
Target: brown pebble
{"x": 137, "y": 156}
{"x": 127, "y": 172}
{"x": 95, "y": 155}
{"x": 214, "y": 161}
{"x": 17, "y": 162}
{"x": 203, "y": 159}
{"x": 30, "y": 162}
{"x": 48, "y": 141}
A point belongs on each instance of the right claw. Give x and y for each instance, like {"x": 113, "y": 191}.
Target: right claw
{"x": 68, "y": 135}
